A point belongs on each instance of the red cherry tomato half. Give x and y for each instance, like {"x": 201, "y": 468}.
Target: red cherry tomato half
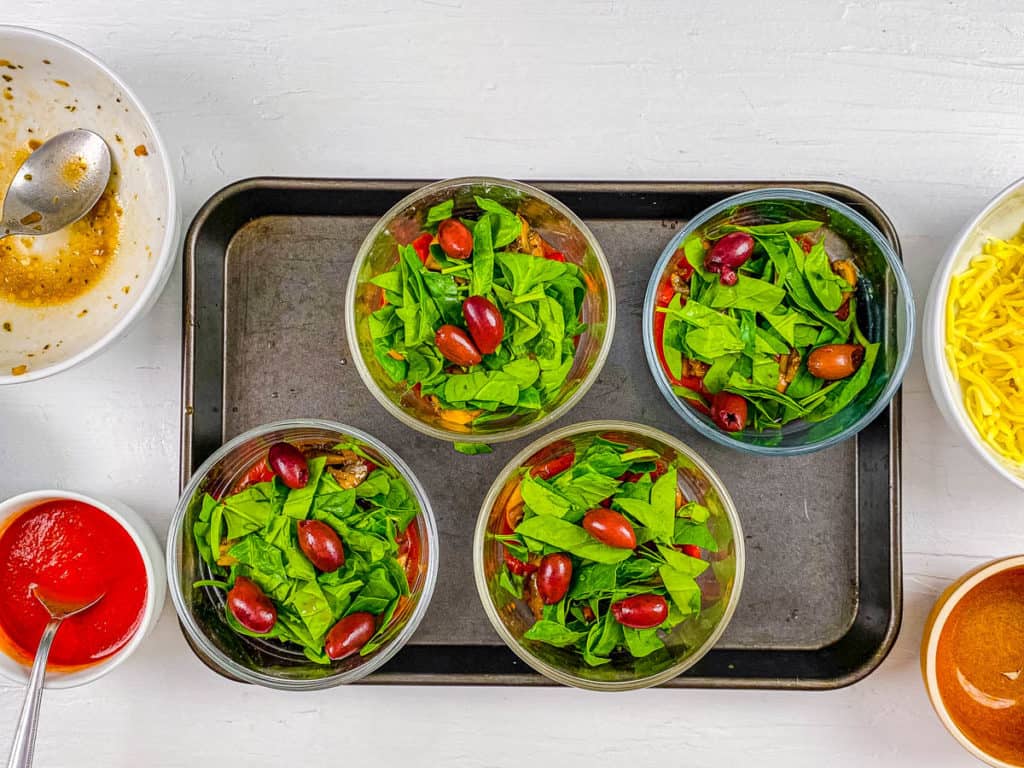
{"x": 690, "y": 549}
{"x": 422, "y": 246}
{"x": 258, "y": 473}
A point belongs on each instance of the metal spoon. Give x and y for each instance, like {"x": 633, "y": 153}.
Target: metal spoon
{"x": 25, "y": 735}
{"x": 57, "y": 185}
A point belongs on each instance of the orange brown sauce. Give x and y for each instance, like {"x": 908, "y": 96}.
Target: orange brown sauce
{"x": 74, "y": 170}
{"x": 980, "y": 665}
{"x": 35, "y": 275}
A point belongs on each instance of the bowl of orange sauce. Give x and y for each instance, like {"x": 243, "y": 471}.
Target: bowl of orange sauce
{"x": 75, "y": 548}
{"x": 972, "y": 660}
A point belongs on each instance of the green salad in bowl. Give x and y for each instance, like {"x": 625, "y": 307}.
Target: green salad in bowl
{"x": 608, "y": 556}
{"x": 302, "y": 555}
{"x": 479, "y": 310}
{"x": 778, "y": 321}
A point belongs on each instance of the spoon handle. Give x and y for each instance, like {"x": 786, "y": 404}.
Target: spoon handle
{"x": 25, "y": 735}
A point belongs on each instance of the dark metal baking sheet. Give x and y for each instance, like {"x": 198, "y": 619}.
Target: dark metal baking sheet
{"x": 266, "y": 264}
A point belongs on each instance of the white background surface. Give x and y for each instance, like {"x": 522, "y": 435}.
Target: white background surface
{"x": 916, "y": 103}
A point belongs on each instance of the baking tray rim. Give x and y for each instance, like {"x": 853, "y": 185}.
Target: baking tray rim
{"x": 725, "y": 187}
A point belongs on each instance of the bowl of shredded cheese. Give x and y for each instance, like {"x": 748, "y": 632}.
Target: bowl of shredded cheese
{"x": 974, "y": 333}
{"x": 68, "y": 295}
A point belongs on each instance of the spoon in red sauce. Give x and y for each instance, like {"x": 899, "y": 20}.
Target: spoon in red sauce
{"x": 25, "y": 735}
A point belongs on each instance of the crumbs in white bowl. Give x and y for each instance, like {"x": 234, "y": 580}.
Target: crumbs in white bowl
{"x": 65, "y": 296}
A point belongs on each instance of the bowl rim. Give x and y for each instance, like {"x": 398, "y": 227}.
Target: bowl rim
{"x": 479, "y": 540}
{"x": 223, "y": 663}
{"x": 452, "y": 435}
{"x": 936, "y": 622}
{"x": 945, "y": 389}
{"x": 757, "y": 195}
{"x": 164, "y": 263}
{"x": 23, "y": 502}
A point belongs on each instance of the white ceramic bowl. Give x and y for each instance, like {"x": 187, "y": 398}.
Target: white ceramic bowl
{"x": 1001, "y": 218}
{"x": 156, "y": 584}
{"x": 102, "y": 102}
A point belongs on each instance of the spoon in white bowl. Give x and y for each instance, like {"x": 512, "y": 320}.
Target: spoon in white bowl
{"x": 25, "y": 735}
{"x": 57, "y": 184}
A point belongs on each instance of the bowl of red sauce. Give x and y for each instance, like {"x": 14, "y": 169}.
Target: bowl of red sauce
{"x": 75, "y": 548}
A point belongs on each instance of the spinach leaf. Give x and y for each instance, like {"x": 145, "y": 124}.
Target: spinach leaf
{"x": 718, "y": 374}
{"x": 472, "y": 449}
{"x": 570, "y": 538}
{"x": 636, "y": 570}
{"x": 508, "y": 225}
{"x": 642, "y": 642}
{"x": 683, "y": 590}
{"x": 826, "y": 285}
{"x": 682, "y": 563}
{"x": 595, "y": 580}
{"x": 588, "y": 489}
{"x": 523, "y": 371}
{"x": 445, "y": 293}
{"x": 796, "y": 227}
{"x": 525, "y": 272}
{"x": 693, "y": 250}
{"x": 511, "y": 583}
{"x": 376, "y": 595}
{"x": 440, "y": 212}
{"x": 713, "y": 341}
{"x": 747, "y": 293}
{"x": 765, "y": 372}
{"x": 481, "y": 386}
{"x": 542, "y": 499}
{"x": 607, "y": 637}
{"x": 483, "y": 258}
{"x": 697, "y": 534}
{"x": 553, "y": 633}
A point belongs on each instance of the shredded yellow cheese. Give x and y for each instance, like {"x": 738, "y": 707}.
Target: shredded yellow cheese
{"x": 985, "y": 343}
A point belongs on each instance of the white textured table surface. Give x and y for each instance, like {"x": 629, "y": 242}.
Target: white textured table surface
{"x": 916, "y": 103}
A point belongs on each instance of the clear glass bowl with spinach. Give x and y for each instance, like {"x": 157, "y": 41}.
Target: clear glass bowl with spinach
{"x": 687, "y": 555}
{"x": 235, "y": 519}
{"x": 802, "y": 345}
{"x": 535, "y": 262}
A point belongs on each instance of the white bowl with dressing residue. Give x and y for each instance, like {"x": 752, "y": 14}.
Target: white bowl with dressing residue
{"x": 64, "y": 297}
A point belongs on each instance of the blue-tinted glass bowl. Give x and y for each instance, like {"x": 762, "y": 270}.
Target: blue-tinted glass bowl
{"x": 885, "y": 310}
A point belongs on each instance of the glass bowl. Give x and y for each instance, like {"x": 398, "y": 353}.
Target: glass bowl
{"x": 557, "y": 225}
{"x": 885, "y": 306}
{"x": 201, "y": 610}
{"x": 687, "y": 642}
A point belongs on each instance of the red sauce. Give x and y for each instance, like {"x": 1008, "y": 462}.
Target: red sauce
{"x": 73, "y": 552}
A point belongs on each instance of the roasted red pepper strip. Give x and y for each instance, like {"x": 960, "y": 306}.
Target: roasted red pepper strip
{"x": 409, "y": 547}
{"x": 422, "y": 246}
{"x": 552, "y": 467}
{"x": 518, "y": 567}
{"x": 696, "y": 384}
{"x": 555, "y": 256}
{"x": 665, "y": 294}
